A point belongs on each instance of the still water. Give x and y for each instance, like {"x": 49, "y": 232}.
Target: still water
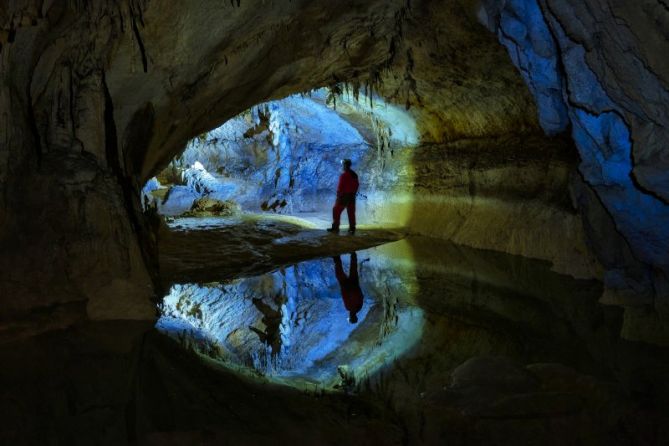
{"x": 405, "y": 312}
{"x": 302, "y": 323}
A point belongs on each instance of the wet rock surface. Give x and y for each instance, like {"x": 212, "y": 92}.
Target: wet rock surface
{"x": 508, "y": 194}
{"x": 210, "y": 250}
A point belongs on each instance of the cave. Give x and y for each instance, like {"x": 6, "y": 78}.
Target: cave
{"x": 168, "y": 172}
{"x": 283, "y": 157}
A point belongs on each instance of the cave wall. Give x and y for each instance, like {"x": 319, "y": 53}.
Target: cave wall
{"x": 97, "y": 97}
{"x": 595, "y": 70}
{"x": 508, "y": 194}
{"x": 69, "y": 227}
{"x": 284, "y": 152}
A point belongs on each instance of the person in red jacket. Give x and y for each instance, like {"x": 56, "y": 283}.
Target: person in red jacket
{"x": 346, "y": 190}
{"x": 351, "y": 293}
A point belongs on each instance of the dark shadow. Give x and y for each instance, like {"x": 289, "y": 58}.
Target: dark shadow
{"x": 272, "y": 320}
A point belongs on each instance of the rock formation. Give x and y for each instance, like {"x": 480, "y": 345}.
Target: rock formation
{"x": 594, "y": 70}
{"x": 98, "y": 97}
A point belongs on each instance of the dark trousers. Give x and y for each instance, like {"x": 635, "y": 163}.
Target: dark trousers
{"x": 346, "y": 201}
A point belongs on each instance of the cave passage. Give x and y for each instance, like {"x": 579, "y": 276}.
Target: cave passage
{"x": 284, "y": 158}
{"x": 256, "y": 288}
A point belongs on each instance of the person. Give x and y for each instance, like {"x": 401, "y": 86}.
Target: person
{"x": 346, "y": 190}
{"x": 350, "y": 287}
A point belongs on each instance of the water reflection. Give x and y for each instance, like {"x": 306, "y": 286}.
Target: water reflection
{"x": 350, "y": 286}
{"x": 423, "y": 307}
{"x": 301, "y": 323}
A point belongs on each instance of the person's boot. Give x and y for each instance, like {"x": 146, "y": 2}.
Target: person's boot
{"x": 351, "y": 230}
{"x": 333, "y": 229}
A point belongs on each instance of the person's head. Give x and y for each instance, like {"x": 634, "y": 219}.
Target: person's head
{"x": 352, "y": 317}
{"x": 346, "y": 164}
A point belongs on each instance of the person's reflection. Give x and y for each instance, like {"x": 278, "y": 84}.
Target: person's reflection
{"x": 350, "y": 287}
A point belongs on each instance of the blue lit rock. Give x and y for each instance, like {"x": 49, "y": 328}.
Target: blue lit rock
{"x": 291, "y": 325}
{"x": 198, "y": 184}
{"x": 152, "y": 185}
{"x": 286, "y": 150}
{"x": 523, "y": 31}
{"x": 616, "y": 105}
{"x": 178, "y": 200}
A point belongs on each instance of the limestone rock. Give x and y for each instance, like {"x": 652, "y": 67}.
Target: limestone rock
{"x": 595, "y": 65}
{"x": 207, "y": 206}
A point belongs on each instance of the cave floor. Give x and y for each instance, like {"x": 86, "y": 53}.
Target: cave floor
{"x": 213, "y": 249}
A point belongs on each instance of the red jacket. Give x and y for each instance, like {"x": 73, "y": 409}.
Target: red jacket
{"x": 348, "y": 183}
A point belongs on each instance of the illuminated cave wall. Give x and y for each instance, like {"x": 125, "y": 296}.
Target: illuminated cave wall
{"x": 284, "y": 156}
{"x": 597, "y": 80}
{"x": 508, "y": 193}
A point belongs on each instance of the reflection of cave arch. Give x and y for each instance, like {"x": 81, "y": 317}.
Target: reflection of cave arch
{"x": 292, "y": 326}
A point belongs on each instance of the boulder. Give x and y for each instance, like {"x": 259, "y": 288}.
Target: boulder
{"x": 209, "y": 207}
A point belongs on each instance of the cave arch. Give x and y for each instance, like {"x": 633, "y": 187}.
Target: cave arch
{"x": 132, "y": 94}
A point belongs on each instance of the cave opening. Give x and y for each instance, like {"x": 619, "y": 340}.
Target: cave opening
{"x": 283, "y": 158}
{"x": 271, "y": 174}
